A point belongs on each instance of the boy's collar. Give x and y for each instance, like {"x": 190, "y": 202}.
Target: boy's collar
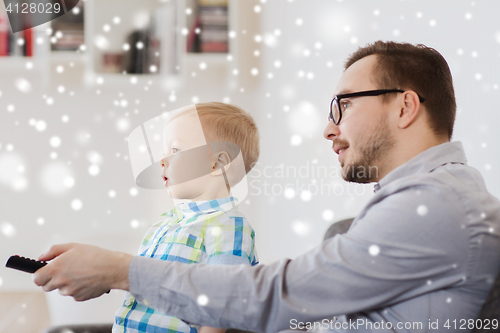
{"x": 189, "y": 208}
{"x": 207, "y": 206}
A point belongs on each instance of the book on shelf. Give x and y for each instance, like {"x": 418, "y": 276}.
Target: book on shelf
{"x": 152, "y": 49}
{"x": 135, "y": 59}
{"x": 112, "y": 62}
{"x": 28, "y": 42}
{"x": 4, "y": 35}
{"x": 193, "y": 37}
{"x": 210, "y": 29}
{"x": 68, "y": 30}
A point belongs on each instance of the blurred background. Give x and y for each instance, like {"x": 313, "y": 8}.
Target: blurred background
{"x": 72, "y": 90}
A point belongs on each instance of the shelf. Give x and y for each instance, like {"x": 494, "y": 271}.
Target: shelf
{"x": 73, "y": 56}
{"x": 16, "y": 63}
{"x": 97, "y": 80}
{"x": 208, "y": 57}
{"x": 120, "y": 23}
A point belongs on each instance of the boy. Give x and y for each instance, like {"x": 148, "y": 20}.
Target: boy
{"x": 201, "y": 164}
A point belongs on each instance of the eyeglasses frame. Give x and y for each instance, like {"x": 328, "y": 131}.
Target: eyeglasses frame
{"x": 377, "y": 92}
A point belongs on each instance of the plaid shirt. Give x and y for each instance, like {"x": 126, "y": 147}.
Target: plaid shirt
{"x": 211, "y": 232}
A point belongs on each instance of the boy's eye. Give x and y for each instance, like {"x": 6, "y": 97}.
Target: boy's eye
{"x": 175, "y": 150}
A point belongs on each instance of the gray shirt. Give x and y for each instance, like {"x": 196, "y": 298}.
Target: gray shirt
{"x": 424, "y": 251}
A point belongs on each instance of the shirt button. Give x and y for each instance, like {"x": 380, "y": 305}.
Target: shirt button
{"x": 146, "y": 302}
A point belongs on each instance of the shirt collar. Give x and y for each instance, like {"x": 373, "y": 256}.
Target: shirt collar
{"x": 207, "y": 206}
{"x": 427, "y": 161}
{"x": 189, "y": 209}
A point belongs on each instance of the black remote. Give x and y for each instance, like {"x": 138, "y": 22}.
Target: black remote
{"x": 24, "y": 264}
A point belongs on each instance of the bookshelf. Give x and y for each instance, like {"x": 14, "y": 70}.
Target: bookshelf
{"x": 107, "y": 27}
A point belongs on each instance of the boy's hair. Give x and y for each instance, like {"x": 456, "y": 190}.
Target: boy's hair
{"x": 419, "y": 68}
{"x": 228, "y": 123}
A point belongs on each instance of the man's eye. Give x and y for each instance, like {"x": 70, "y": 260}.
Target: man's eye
{"x": 344, "y": 105}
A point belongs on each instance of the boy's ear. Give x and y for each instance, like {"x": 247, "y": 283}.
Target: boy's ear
{"x": 221, "y": 160}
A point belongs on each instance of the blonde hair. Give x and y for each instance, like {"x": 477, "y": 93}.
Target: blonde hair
{"x": 228, "y": 123}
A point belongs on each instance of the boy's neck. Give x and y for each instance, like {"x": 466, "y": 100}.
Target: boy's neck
{"x": 201, "y": 198}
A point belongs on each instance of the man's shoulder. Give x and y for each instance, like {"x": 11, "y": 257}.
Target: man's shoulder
{"x": 455, "y": 176}
{"x": 450, "y": 202}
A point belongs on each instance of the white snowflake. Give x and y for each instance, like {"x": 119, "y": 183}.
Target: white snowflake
{"x": 216, "y": 231}
{"x": 305, "y": 195}
{"x": 76, "y": 204}
{"x": 55, "y": 141}
{"x": 202, "y": 300}
{"x": 94, "y": 170}
{"x": 8, "y": 229}
{"x": 300, "y": 228}
{"x": 134, "y": 224}
{"x": 328, "y": 215}
{"x": 422, "y": 210}
{"x": 289, "y": 193}
{"x": 374, "y": 250}
{"x": 295, "y": 140}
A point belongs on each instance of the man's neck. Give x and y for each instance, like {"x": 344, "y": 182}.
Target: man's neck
{"x": 405, "y": 151}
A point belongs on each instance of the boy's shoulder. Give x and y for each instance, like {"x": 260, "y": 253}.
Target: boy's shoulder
{"x": 230, "y": 217}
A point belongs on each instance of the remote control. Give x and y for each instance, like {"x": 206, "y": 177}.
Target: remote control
{"x": 24, "y": 264}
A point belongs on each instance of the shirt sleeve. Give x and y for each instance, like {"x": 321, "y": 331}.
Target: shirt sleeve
{"x": 229, "y": 240}
{"x": 389, "y": 255}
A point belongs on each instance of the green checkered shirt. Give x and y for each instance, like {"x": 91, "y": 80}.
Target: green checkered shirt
{"x": 211, "y": 232}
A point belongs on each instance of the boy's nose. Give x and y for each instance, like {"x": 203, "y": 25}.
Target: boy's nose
{"x": 164, "y": 165}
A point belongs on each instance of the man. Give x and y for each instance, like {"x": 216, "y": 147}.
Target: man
{"x": 422, "y": 254}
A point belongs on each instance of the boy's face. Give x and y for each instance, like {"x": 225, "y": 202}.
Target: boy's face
{"x": 185, "y": 170}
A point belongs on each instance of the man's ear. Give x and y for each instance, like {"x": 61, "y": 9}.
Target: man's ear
{"x": 410, "y": 108}
{"x": 222, "y": 160}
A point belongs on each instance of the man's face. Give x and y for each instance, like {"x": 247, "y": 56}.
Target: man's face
{"x": 363, "y": 138}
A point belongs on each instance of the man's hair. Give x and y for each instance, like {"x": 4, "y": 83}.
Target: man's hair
{"x": 418, "y": 68}
{"x": 229, "y": 123}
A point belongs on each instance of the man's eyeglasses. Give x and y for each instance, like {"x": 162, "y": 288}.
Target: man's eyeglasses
{"x": 337, "y": 108}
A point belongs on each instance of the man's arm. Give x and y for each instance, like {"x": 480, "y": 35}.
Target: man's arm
{"x": 83, "y": 271}
{"x": 387, "y": 257}
{"x": 208, "y": 329}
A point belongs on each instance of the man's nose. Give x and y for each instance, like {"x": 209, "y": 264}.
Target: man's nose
{"x": 331, "y": 131}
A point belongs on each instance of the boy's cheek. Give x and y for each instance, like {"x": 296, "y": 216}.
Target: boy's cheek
{"x": 188, "y": 165}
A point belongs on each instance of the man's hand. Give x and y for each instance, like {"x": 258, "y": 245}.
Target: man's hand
{"x": 83, "y": 271}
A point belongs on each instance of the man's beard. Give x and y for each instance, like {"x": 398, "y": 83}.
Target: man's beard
{"x": 371, "y": 151}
